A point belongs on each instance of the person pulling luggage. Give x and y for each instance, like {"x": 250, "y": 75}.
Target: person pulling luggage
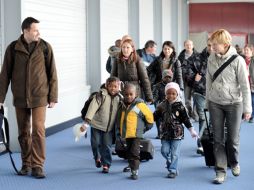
{"x": 131, "y": 126}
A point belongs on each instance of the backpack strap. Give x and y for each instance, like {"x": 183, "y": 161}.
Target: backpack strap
{"x": 13, "y": 56}
{"x": 46, "y": 53}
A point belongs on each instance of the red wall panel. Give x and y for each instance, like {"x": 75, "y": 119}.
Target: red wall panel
{"x": 235, "y": 17}
{"x": 251, "y": 19}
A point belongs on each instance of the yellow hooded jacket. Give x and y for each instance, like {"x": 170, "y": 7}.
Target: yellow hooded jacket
{"x": 135, "y": 119}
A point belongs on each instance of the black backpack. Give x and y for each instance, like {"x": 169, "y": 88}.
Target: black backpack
{"x": 99, "y": 99}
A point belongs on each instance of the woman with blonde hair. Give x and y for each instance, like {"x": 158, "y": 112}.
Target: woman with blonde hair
{"x": 228, "y": 97}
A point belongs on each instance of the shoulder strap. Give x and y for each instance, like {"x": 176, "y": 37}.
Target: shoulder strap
{"x": 99, "y": 99}
{"x": 46, "y": 52}
{"x": 216, "y": 74}
{"x": 13, "y": 53}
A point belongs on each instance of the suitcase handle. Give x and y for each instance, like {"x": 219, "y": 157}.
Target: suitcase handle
{"x": 122, "y": 143}
{"x": 207, "y": 124}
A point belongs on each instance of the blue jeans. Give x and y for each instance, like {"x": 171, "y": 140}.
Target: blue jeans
{"x": 101, "y": 143}
{"x": 230, "y": 117}
{"x": 170, "y": 150}
{"x": 199, "y": 101}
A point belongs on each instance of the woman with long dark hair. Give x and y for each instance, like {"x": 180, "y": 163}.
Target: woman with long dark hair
{"x": 166, "y": 60}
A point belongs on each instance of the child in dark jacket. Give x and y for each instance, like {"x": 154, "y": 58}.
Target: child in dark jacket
{"x": 173, "y": 115}
{"x": 101, "y": 115}
{"x": 131, "y": 125}
{"x": 159, "y": 93}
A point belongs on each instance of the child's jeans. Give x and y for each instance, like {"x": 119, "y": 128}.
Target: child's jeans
{"x": 101, "y": 143}
{"x": 170, "y": 150}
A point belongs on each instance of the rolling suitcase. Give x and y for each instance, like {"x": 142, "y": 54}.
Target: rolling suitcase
{"x": 146, "y": 149}
{"x": 207, "y": 142}
{"x": 120, "y": 148}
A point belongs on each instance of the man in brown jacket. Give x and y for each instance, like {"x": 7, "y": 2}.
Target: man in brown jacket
{"x": 30, "y": 67}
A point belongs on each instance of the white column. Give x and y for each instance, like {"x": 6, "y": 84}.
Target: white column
{"x": 134, "y": 27}
{"x": 158, "y": 26}
{"x": 93, "y": 44}
{"x": 11, "y": 31}
{"x": 167, "y": 17}
{"x": 146, "y": 22}
{"x": 179, "y": 23}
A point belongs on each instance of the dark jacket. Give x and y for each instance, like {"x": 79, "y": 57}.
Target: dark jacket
{"x": 108, "y": 65}
{"x": 113, "y": 51}
{"x": 135, "y": 73}
{"x": 155, "y": 70}
{"x": 199, "y": 67}
{"x": 181, "y": 56}
{"x": 32, "y": 84}
{"x": 139, "y": 52}
{"x": 159, "y": 92}
{"x": 172, "y": 117}
{"x": 193, "y": 60}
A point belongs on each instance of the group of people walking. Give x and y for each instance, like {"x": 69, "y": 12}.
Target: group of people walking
{"x": 227, "y": 96}
{"x": 137, "y": 78}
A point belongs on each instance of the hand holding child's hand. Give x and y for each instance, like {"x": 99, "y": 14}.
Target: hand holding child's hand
{"x": 193, "y": 133}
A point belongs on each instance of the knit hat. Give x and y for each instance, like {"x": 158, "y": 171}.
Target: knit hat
{"x": 167, "y": 72}
{"x": 174, "y": 86}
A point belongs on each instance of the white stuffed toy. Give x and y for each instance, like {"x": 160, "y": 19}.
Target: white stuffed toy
{"x": 80, "y": 130}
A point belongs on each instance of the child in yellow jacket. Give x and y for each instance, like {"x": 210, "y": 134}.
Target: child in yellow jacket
{"x": 134, "y": 119}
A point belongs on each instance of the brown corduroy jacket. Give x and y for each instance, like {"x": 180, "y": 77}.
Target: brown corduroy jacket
{"x": 33, "y": 82}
